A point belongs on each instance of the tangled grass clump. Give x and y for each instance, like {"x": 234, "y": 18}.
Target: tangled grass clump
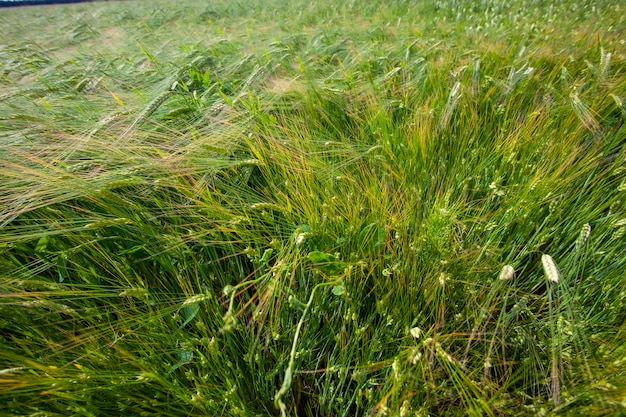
{"x": 314, "y": 209}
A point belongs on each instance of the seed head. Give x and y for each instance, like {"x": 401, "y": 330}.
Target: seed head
{"x": 416, "y": 332}
{"x": 549, "y": 268}
{"x": 196, "y": 299}
{"x": 583, "y": 236}
{"x": 507, "y": 273}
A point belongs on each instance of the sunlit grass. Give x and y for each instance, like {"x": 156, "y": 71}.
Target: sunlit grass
{"x": 313, "y": 208}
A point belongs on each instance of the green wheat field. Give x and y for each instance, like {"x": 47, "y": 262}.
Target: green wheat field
{"x": 313, "y": 208}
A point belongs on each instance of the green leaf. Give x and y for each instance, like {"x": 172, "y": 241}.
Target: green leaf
{"x": 42, "y": 244}
{"x": 189, "y": 312}
{"x": 338, "y": 289}
{"x": 326, "y": 263}
{"x": 320, "y": 257}
{"x": 297, "y": 304}
{"x": 62, "y": 266}
{"x": 371, "y": 236}
{"x": 304, "y": 228}
{"x": 183, "y": 357}
{"x": 365, "y": 234}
